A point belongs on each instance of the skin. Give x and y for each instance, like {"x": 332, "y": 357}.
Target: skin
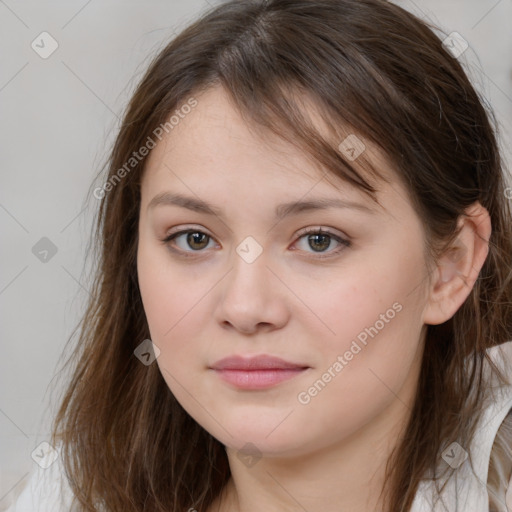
{"x": 328, "y": 454}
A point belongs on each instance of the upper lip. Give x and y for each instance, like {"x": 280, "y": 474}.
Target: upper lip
{"x": 261, "y": 362}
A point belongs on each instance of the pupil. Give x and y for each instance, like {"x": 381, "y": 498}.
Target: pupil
{"x": 191, "y": 239}
{"x": 324, "y": 237}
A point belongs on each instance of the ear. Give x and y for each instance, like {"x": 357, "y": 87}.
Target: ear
{"x": 458, "y": 268}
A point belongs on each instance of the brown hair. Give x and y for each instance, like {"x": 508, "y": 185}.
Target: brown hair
{"x": 368, "y": 65}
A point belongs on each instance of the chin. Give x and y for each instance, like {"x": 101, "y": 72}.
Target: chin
{"x": 251, "y": 441}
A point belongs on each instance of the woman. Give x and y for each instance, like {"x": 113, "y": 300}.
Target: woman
{"x": 303, "y": 300}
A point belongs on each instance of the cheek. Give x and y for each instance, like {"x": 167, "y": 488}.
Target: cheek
{"x": 372, "y": 318}
{"x": 173, "y": 301}
{"x": 167, "y": 290}
{"x": 344, "y": 308}
{"x": 373, "y": 354}
{"x": 163, "y": 304}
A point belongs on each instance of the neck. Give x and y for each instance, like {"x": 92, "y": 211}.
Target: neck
{"x": 349, "y": 475}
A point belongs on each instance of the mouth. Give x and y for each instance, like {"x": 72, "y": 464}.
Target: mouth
{"x": 258, "y": 372}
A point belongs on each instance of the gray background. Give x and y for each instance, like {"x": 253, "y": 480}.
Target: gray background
{"x": 59, "y": 118}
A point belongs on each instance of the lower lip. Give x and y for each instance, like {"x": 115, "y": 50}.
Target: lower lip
{"x": 258, "y": 379}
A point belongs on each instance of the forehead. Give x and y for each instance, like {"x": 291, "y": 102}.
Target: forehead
{"x": 214, "y": 144}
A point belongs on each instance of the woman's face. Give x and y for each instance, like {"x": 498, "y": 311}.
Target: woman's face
{"x": 251, "y": 282}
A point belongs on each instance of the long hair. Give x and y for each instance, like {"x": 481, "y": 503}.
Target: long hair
{"x": 369, "y": 66}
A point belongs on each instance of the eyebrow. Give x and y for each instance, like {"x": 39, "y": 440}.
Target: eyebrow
{"x": 281, "y": 211}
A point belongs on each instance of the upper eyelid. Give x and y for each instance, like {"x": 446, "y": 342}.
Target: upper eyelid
{"x": 300, "y": 233}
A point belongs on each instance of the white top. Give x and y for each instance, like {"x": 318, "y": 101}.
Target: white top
{"x": 42, "y": 492}
{"x": 464, "y": 492}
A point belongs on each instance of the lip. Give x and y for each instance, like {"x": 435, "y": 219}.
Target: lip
{"x": 257, "y": 372}
{"x": 260, "y": 362}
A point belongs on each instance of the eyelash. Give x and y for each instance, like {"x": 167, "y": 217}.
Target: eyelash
{"x": 309, "y": 231}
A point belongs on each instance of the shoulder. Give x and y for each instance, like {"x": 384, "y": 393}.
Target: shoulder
{"x": 46, "y": 490}
{"x": 498, "y": 394}
{"x": 469, "y": 485}
{"x": 502, "y": 356}
{"x": 498, "y": 431}
{"x": 498, "y": 402}
{"x": 497, "y": 399}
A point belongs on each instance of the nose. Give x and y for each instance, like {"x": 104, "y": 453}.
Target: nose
{"x": 252, "y": 297}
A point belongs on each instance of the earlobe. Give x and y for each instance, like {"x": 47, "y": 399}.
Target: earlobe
{"x": 458, "y": 269}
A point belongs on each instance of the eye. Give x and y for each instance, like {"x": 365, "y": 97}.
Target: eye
{"x": 194, "y": 238}
{"x": 320, "y": 239}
